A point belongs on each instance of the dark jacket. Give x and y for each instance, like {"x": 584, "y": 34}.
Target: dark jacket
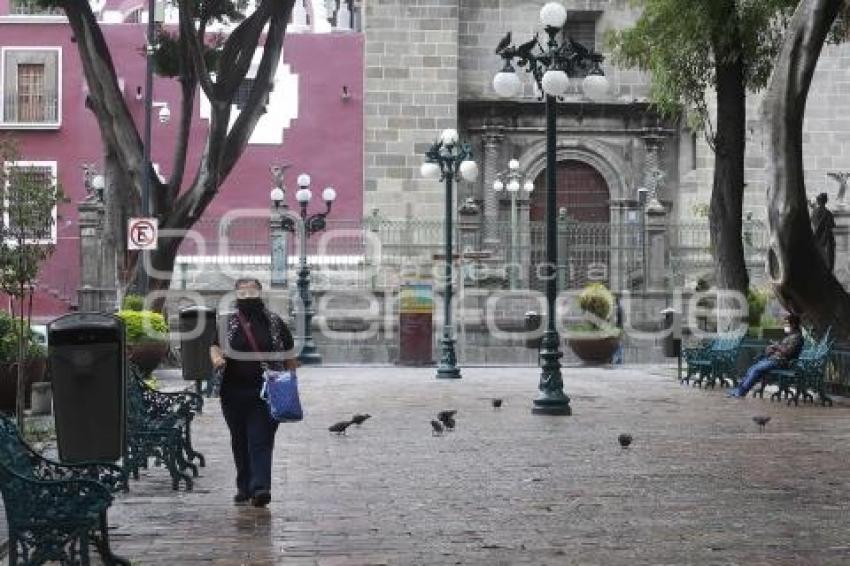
{"x": 788, "y": 349}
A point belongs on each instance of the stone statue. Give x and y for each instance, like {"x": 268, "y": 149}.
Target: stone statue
{"x": 823, "y": 225}
{"x": 841, "y": 178}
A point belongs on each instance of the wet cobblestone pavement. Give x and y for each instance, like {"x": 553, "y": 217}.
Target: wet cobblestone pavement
{"x": 699, "y": 485}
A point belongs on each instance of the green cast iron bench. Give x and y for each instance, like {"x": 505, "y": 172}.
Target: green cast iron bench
{"x": 185, "y": 404}
{"x": 55, "y": 511}
{"x": 712, "y": 362}
{"x": 154, "y": 432}
{"x": 804, "y": 373}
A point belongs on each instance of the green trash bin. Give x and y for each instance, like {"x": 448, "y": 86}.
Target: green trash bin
{"x": 86, "y": 360}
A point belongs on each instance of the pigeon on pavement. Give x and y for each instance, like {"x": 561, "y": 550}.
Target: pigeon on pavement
{"x": 360, "y": 419}
{"x": 624, "y": 440}
{"x": 340, "y": 427}
{"x": 443, "y": 415}
{"x": 438, "y": 428}
{"x": 761, "y": 421}
{"x": 497, "y": 403}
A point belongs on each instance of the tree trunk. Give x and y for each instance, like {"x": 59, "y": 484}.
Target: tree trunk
{"x": 727, "y": 195}
{"x": 21, "y": 385}
{"x": 802, "y": 281}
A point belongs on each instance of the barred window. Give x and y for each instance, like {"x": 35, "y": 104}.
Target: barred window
{"x": 22, "y": 180}
{"x": 30, "y": 87}
{"x": 240, "y": 100}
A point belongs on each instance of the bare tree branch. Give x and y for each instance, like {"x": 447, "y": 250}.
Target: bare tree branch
{"x": 239, "y": 49}
{"x": 239, "y": 135}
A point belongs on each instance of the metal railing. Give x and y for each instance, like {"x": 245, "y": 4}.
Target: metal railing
{"x": 32, "y": 8}
{"x": 42, "y": 108}
{"x": 376, "y": 252}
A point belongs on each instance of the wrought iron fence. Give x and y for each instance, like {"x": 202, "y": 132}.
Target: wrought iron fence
{"x": 376, "y": 252}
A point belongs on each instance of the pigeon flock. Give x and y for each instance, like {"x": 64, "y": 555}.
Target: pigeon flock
{"x": 446, "y": 422}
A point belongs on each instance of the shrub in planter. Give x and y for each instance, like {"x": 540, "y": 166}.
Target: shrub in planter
{"x": 133, "y": 303}
{"x": 595, "y": 340}
{"x": 147, "y": 338}
{"x": 756, "y": 303}
{"x": 35, "y": 365}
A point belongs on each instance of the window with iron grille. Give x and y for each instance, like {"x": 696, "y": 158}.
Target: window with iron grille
{"x": 243, "y": 93}
{"x": 581, "y": 28}
{"x": 22, "y": 179}
{"x": 30, "y": 87}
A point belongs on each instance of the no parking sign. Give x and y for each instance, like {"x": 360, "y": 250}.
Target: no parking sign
{"x": 142, "y": 233}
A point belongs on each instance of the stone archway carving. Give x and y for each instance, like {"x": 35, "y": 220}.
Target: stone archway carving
{"x": 598, "y": 155}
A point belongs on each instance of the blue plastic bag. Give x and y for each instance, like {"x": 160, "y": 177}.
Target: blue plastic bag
{"x": 280, "y": 391}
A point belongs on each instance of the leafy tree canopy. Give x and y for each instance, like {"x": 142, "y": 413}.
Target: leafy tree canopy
{"x": 680, "y": 42}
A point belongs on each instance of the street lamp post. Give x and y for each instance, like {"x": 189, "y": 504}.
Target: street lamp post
{"x": 511, "y": 180}
{"x": 444, "y": 161}
{"x": 279, "y": 243}
{"x": 551, "y": 66}
{"x": 313, "y": 223}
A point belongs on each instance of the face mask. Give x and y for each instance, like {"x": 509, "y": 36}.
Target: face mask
{"x": 787, "y": 330}
{"x": 249, "y": 305}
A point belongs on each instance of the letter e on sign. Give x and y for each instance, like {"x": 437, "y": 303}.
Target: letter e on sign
{"x": 142, "y": 233}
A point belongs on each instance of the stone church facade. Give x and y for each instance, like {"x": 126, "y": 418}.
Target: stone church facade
{"x": 430, "y": 64}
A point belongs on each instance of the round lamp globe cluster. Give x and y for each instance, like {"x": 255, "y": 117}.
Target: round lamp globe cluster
{"x": 555, "y": 81}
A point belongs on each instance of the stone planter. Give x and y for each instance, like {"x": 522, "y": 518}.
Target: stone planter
{"x": 594, "y": 350}
{"x": 41, "y": 400}
{"x": 147, "y": 355}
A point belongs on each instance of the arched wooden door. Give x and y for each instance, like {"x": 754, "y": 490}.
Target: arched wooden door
{"x": 584, "y": 237}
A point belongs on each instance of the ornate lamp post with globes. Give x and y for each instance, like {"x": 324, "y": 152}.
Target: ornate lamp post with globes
{"x": 511, "y": 180}
{"x": 444, "y": 161}
{"x": 551, "y": 67}
{"x": 313, "y": 223}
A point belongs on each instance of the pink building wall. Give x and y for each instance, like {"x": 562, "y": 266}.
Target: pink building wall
{"x": 325, "y": 140}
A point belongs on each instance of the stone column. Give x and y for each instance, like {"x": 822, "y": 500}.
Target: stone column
{"x": 619, "y": 245}
{"x": 492, "y": 137}
{"x": 842, "y": 245}
{"x": 656, "y": 249}
{"x": 89, "y": 293}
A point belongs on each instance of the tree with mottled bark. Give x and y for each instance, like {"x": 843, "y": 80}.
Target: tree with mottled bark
{"x": 801, "y": 278}
{"x": 692, "y": 48}
{"x": 217, "y": 65}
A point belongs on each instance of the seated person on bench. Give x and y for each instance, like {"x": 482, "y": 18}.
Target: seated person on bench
{"x": 775, "y": 356}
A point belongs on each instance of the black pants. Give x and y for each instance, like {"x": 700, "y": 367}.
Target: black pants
{"x": 252, "y": 433}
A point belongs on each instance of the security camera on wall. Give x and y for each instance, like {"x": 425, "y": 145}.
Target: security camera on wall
{"x": 164, "y": 114}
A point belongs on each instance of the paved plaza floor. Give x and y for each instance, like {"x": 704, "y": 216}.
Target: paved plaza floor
{"x": 700, "y": 484}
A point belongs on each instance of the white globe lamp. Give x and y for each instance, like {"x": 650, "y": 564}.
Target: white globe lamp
{"x": 553, "y": 15}
{"x": 303, "y": 180}
{"x": 449, "y": 137}
{"x": 498, "y": 186}
{"x": 303, "y": 195}
{"x": 596, "y": 86}
{"x": 469, "y": 170}
{"x": 507, "y": 84}
{"x": 555, "y": 82}
{"x": 528, "y": 186}
{"x": 329, "y": 194}
{"x": 430, "y": 171}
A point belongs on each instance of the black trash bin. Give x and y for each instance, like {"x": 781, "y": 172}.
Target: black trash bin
{"x": 85, "y": 355}
{"x": 672, "y": 343}
{"x": 197, "y": 331}
{"x": 532, "y": 324}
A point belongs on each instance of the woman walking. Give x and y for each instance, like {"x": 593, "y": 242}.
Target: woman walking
{"x": 254, "y": 336}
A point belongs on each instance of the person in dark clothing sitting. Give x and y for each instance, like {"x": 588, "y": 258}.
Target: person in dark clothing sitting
{"x": 252, "y": 337}
{"x": 775, "y": 356}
